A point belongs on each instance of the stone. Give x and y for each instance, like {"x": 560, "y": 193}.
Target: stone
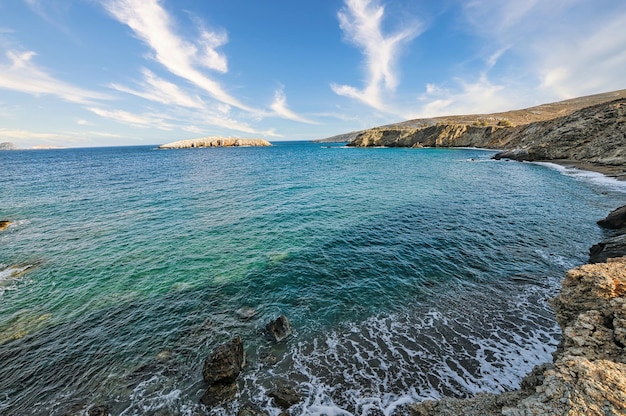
{"x": 249, "y": 410}
{"x": 610, "y": 248}
{"x": 285, "y": 397}
{"x": 246, "y": 313}
{"x": 279, "y": 329}
{"x": 225, "y": 363}
{"x": 615, "y": 220}
{"x": 98, "y": 410}
{"x": 218, "y": 394}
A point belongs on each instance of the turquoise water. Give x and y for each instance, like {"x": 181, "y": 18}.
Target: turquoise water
{"x": 406, "y": 273}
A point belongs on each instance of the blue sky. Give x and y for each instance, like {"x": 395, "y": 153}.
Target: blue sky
{"x": 126, "y": 72}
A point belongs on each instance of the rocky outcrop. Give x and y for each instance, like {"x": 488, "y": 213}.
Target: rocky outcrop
{"x": 285, "y": 396}
{"x": 609, "y": 248}
{"x": 595, "y": 134}
{"x": 7, "y": 146}
{"x": 615, "y": 220}
{"x": 220, "y": 371}
{"x": 214, "y": 141}
{"x": 588, "y": 376}
{"x": 279, "y": 329}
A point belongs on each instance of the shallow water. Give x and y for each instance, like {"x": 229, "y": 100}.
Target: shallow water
{"x": 406, "y": 273}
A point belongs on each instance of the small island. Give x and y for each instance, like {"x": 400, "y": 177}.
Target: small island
{"x": 215, "y": 141}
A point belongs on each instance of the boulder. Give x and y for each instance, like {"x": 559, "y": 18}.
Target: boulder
{"x": 279, "y": 329}
{"x": 610, "y": 248}
{"x": 516, "y": 154}
{"x": 218, "y": 393}
{"x": 225, "y": 363}
{"x": 249, "y": 410}
{"x": 615, "y": 220}
{"x": 284, "y": 396}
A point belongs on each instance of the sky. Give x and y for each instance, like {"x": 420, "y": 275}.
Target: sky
{"x": 83, "y": 73}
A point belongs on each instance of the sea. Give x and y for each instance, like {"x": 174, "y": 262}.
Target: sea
{"x": 406, "y": 274}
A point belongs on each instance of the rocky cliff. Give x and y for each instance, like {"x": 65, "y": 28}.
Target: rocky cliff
{"x": 213, "y": 141}
{"x": 594, "y": 134}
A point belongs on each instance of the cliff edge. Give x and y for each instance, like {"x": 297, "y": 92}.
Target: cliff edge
{"x": 589, "y": 130}
{"x": 214, "y": 141}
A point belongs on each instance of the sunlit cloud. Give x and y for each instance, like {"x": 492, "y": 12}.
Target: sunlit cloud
{"x": 279, "y": 106}
{"x": 21, "y": 74}
{"x": 159, "y": 90}
{"x": 361, "y": 23}
{"x": 151, "y": 23}
{"x": 137, "y": 120}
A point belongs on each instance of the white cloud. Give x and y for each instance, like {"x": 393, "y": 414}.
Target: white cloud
{"x": 125, "y": 117}
{"x": 361, "y": 22}
{"x": 279, "y": 106}
{"x": 22, "y": 75}
{"x": 159, "y": 90}
{"x": 151, "y": 23}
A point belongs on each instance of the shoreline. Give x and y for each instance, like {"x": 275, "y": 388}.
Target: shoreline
{"x": 615, "y": 172}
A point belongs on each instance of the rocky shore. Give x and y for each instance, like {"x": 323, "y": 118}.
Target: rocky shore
{"x": 214, "y": 141}
{"x": 589, "y": 132}
{"x": 588, "y": 372}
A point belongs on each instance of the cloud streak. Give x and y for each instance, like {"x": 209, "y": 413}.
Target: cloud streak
{"x": 361, "y": 23}
{"x": 279, "y": 106}
{"x": 151, "y": 23}
{"x": 21, "y": 74}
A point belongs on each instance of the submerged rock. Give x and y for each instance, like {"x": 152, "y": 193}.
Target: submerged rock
{"x": 249, "y": 410}
{"x": 279, "y": 329}
{"x": 285, "y": 396}
{"x": 246, "y": 313}
{"x": 4, "y": 224}
{"x": 615, "y": 220}
{"x": 225, "y": 363}
{"x": 219, "y": 393}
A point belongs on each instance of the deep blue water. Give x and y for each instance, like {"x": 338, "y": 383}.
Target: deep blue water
{"x": 406, "y": 273}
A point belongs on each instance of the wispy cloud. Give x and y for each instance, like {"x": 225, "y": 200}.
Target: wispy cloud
{"x": 125, "y": 117}
{"x": 361, "y": 22}
{"x": 151, "y": 23}
{"x": 279, "y": 106}
{"x": 159, "y": 90}
{"x": 21, "y": 74}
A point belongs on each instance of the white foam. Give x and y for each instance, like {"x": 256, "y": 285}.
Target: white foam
{"x": 595, "y": 178}
{"x": 11, "y": 276}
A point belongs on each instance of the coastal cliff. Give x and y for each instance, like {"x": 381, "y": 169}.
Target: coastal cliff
{"x": 589, "y": 130}
{"x": 214, "y": 141}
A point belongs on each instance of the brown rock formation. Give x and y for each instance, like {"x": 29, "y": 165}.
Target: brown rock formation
{"x": 214, "y": 141}
{"x": 585, "y": 130}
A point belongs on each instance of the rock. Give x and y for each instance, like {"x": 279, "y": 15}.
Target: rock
{"x": 517, "y": 154}
{"x": 225, "y": 363}
{"x": 98, "y": 410}
{"x": 7, "y": 146}
{"x": 615, "y": 220}
{"x": 4, "y": 224}
{"x": 214, "y": 141}
{"x": 219, "y": 393}
{"x": 285, "y": 397}
{"x": 246, "y": 313}
{"x": 607, "y": 249}
{"x": 279, "y": 329}
{"x": 249, "y": 410}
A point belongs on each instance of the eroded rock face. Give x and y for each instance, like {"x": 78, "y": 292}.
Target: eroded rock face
{"x": 607, "y": 249}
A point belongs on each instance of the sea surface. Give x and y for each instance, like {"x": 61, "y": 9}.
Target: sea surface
{"x": 407, "y": 274}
